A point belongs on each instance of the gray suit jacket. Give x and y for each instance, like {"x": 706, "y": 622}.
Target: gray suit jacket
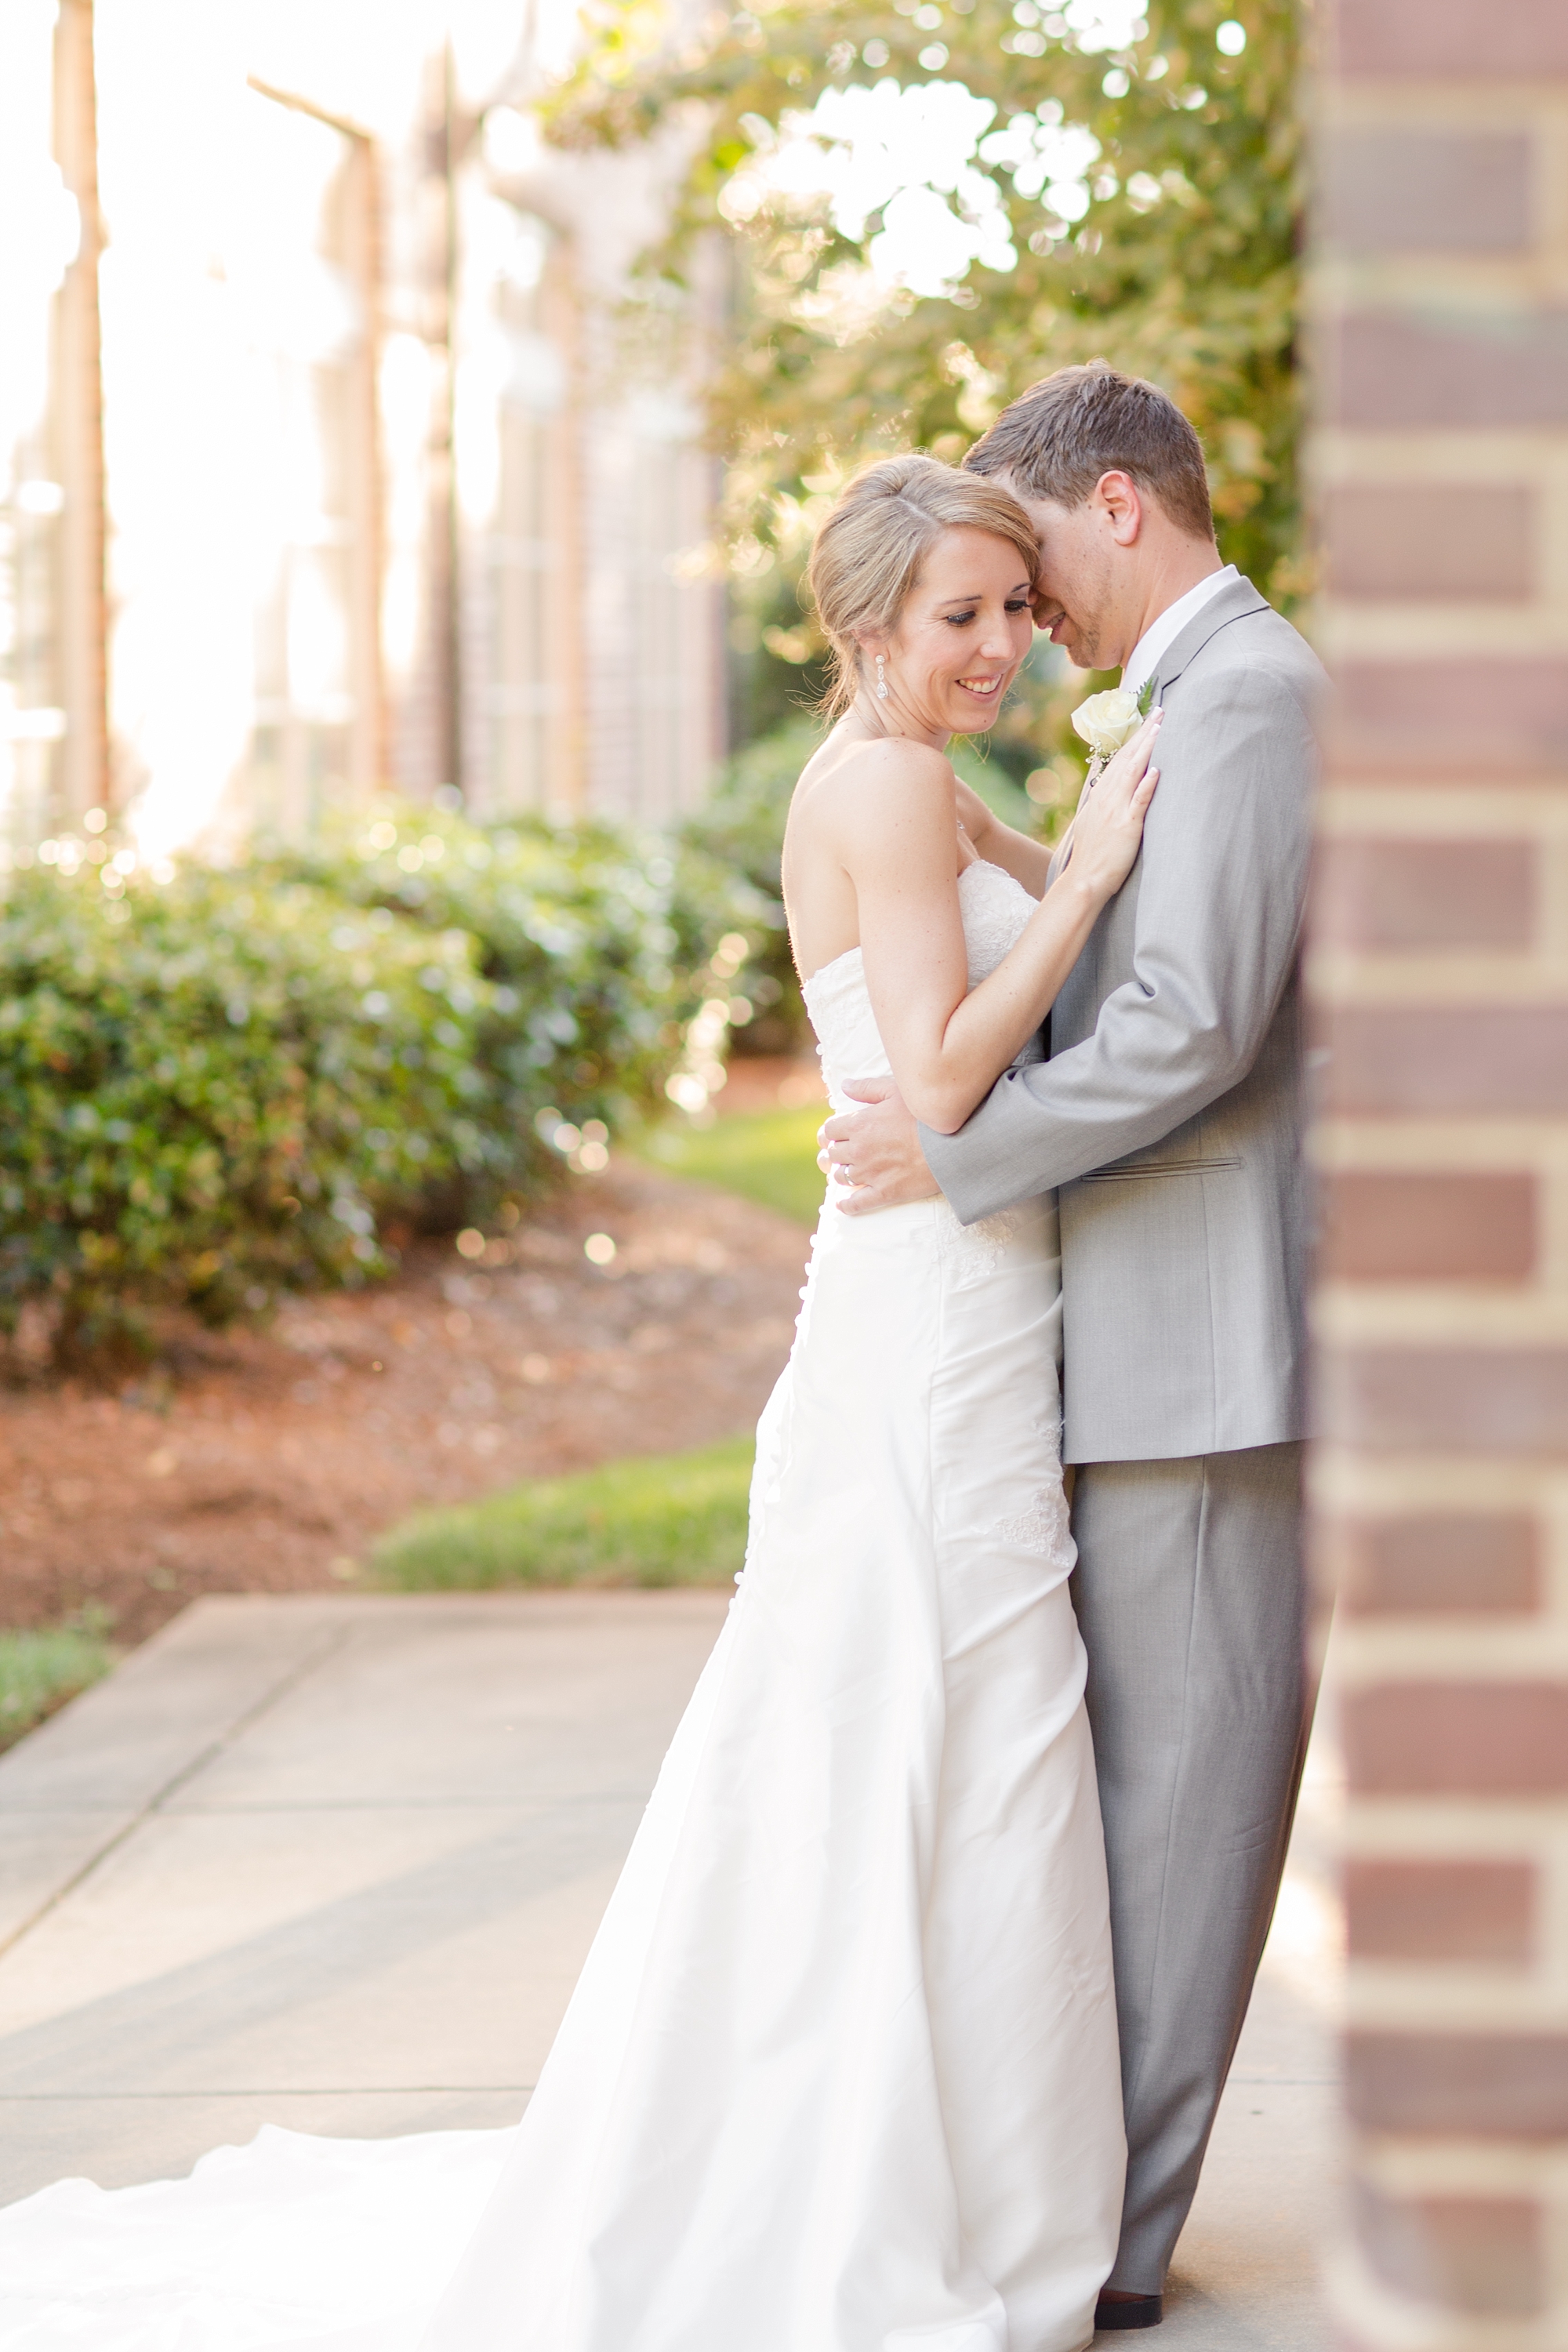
{"x": 1170, "y": 1112}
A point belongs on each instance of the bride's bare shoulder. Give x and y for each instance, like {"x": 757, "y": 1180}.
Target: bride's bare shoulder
{"x": 851, "y": 785}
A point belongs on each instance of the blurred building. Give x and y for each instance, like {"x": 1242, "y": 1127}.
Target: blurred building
{"x": 330, "y": 454}
{"x": 1440, "y": 969}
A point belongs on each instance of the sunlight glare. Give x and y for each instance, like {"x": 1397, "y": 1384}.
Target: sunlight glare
{"x": 901, "y": 152}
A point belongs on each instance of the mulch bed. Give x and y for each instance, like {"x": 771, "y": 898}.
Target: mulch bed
{"x": 266, "y": 1461}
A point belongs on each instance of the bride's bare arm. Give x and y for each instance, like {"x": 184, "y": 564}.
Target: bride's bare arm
{"x": 949, "y": 1043}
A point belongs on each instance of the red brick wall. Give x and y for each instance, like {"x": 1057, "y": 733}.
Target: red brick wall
{"x": 1441, "y": 973}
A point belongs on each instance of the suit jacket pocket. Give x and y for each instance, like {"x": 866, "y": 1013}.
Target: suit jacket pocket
{"x": 1161, "y": 1168}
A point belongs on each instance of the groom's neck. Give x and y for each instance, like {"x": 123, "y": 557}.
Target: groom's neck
{"x": 1171, "y": 564}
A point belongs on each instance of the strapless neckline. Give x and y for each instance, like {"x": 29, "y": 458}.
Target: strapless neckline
{"x": 980, "y": 866}
{"x": 994, "y": 908}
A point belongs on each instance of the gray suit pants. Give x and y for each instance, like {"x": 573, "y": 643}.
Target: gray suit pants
{"x": 1188, "y": 1592}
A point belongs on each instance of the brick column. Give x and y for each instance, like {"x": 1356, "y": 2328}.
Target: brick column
{"x": 1440, "y": 972}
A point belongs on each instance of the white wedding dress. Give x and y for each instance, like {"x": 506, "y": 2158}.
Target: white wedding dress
{"x": 840, "y": 2074}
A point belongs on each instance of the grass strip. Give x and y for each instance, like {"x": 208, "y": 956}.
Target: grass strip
{"x": 653, "y": 1519}
{"x": 40, "y": 1670}
{"x": 767, "y": 1156}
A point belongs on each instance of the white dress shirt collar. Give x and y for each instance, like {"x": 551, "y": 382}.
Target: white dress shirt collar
{"x": 1163, "y": 631}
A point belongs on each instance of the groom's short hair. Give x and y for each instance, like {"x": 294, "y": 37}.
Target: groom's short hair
{"x": 1056, "y": 439}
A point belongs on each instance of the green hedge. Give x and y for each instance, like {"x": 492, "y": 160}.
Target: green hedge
{"x": 739, "y": 831}
{"x": 591, "y": 940}
{"x": 232, "y": 1083}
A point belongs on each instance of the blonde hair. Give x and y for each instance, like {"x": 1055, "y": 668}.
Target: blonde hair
{"x": 868, "y": 554}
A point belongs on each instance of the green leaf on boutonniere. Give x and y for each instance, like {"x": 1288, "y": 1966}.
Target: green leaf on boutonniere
{"x": 1146, "y": 696}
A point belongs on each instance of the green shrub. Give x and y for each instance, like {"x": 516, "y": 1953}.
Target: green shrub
{"x": 230, "y": 1084}
{"x": 591, "y": 940}
{"x": 40, "y": 1670}
{"x": 668, "y": 1519}
{"x": 210, "y": 1090}
{"x": 740, "y": 831}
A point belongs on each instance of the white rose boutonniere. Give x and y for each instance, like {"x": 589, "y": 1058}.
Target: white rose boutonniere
{"x": 1108, "y": 721}
{"x": 1112, "y": 718}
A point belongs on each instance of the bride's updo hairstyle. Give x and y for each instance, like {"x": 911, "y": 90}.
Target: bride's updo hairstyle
{"x": 867, "y": 555}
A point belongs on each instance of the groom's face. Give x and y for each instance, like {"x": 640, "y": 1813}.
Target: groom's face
{"x": 1077, "y": 602}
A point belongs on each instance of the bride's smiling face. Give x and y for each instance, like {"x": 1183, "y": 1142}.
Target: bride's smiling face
{"x": 966, "y": 626}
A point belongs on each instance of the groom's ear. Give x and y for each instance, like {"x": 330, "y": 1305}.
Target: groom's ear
{"x": 1117, "y": 497}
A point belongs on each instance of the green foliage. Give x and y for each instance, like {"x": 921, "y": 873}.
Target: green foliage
{"x": 739, "y": 831}
{"x": 39, "y": 1671}
{"x": 768, "y": 1156}
{"x": 588, "y": 940}
{"x": 231, "y": 1083}
{"x": 670, "y": 1518}
{"x": 1183, "y": 266}
{"x": 209, "y": 1089}
{"x": 996, "y": 781}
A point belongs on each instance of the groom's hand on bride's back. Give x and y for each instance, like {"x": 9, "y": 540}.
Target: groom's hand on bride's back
{"x": 875, "y": 1150}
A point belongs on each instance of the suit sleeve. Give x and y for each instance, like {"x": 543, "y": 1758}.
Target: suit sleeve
{"x": 1221, "y": 881}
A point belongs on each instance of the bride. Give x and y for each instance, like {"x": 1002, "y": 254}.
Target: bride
{"x": 840, "y": 2074}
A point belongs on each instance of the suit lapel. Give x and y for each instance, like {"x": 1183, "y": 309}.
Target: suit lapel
{"x": 1236, "y": 600}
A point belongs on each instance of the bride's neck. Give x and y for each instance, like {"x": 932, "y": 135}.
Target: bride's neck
{"x": 867, "y": 721}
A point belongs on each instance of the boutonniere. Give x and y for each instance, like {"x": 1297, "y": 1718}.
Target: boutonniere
{"x": 1108, "y": 721}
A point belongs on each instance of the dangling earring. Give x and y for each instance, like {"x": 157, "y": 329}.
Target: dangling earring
{"x": 882, "y": 677}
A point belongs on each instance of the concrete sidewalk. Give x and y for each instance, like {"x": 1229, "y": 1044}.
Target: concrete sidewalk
{"x": 334, "y": 1862}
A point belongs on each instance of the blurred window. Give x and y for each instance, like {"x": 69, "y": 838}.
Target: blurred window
{"x": 301, "y": 268}
{"x": 32, "y": 494}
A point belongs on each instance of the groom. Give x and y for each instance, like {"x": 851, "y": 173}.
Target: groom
{"x": 1169, "y": 1116}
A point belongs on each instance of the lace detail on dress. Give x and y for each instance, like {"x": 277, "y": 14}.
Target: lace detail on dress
{"x": 1043, "y": 1529}
{"x": 972, "y": 1251}
{"x": 994, "y": 908}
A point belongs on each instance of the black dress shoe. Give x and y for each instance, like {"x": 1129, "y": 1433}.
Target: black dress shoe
{"x": 1127, "y": 2311}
